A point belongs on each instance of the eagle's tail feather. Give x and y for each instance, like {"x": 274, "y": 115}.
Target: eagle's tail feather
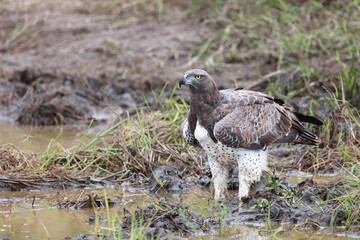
{"x": 307, "y": 137}
{"x": 308, "y": 119}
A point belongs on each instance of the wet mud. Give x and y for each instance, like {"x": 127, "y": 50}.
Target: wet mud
{"x": 286, "y": 203}
{"x": 37, "y": 98}
{"x": 167, "y": 218}
{"x": 66, "y": 63}
{"x": 306, "y": 205}
{"x": 62, "y": 63}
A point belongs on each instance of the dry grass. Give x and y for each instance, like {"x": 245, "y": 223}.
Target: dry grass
{"x": 82, "y": 200}
{"x": 340, "y": 142}
{"x": 140, "y": 143}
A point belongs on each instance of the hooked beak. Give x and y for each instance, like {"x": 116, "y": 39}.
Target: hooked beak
{"x": 182, "y": 81}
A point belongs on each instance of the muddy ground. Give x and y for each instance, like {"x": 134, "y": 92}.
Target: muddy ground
{"x": 305, "y": 206}
{"x": 64, "y": 62}
{"x": 67, "y": 62}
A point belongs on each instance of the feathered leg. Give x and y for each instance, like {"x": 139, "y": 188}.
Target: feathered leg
{"x": 251, "y": 164}
{"x": 244, "y": 185}
{"x": 220, "y": 175}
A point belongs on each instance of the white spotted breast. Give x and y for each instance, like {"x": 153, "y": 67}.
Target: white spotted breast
{"x": 229, "y": 155}
{"x": 217, "y": 151}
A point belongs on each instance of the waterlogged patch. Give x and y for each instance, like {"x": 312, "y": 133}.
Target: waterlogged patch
{"x": 167, "y": 179}
{"x": 165, "y": 219}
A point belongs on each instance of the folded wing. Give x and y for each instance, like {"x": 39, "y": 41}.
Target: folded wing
{"x": 260, "y": 120}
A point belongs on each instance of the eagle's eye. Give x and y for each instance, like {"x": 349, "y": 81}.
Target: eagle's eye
{"x": 198, "y": 76}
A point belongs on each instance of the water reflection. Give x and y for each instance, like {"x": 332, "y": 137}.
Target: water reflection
{"x": 34, "y": 215}
{"x": 38, "y": 139}
{"x": 295, "y": 177}
{"x": 44, "y": 224}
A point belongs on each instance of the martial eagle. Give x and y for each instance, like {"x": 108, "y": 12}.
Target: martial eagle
{"x": 236, "y": 126}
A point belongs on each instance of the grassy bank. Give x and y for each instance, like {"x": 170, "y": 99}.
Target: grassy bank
{"x": 312, "y": 48}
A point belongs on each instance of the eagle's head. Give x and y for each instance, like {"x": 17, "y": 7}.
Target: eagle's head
{"x": 198, "y": 80}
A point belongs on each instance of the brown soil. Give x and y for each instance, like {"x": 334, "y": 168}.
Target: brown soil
{"x": 297, "y": 205}
{"x": 63, "y": 62}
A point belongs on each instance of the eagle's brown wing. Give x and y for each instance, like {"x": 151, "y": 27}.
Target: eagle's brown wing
{"x": 258, "y": 121}
{"x": 253, "y": 126}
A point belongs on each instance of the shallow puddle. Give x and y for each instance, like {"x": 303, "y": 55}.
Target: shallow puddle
{"x": 43, "y": 224}
{"x": 295, "y": 177}
{"x": 33, "y": 215}
{"x": 40, "y": 138}
{"x": 21, "y": 219}
{"x": 253, "y": 232}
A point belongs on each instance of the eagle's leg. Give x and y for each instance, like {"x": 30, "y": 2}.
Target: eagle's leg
{"x": 220, "y": 174}
{"x": 250, "y": 165}
{"x": 244, "y": 186}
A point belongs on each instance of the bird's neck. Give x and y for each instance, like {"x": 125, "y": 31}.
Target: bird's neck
{"x": 206, "y": 99}
{"x": 203, "y": 106}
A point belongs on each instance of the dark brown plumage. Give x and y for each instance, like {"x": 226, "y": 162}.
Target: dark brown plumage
{"x": 237, "y": 125}
{"x": 243, "y": 118}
